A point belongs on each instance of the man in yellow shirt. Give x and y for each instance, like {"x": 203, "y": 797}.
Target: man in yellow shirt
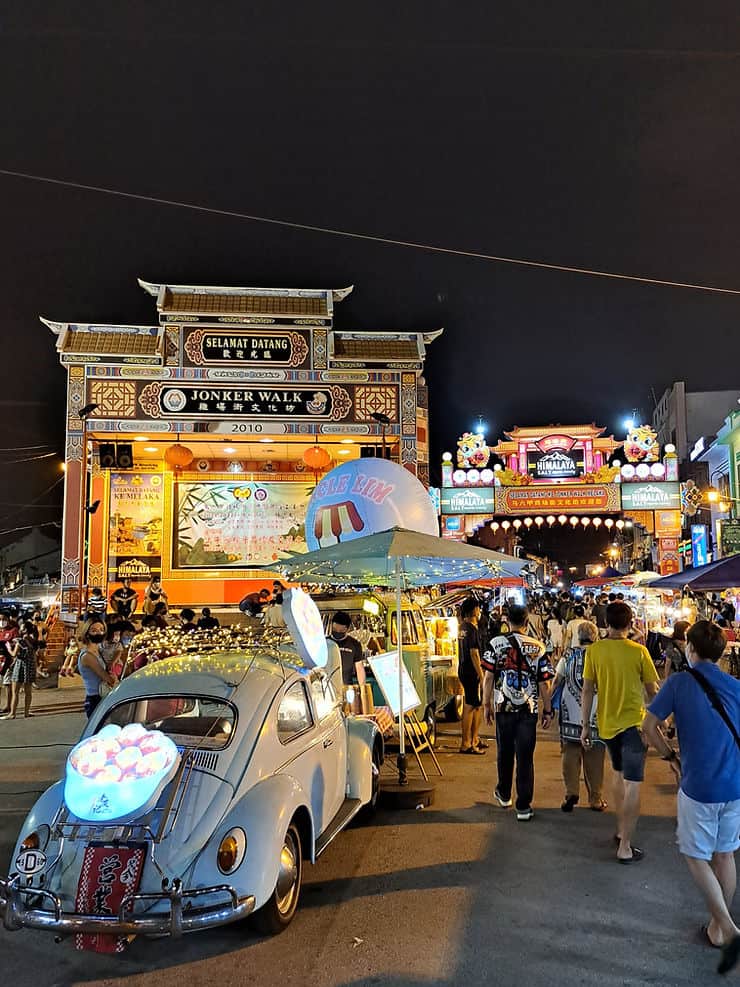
{"x": 622, "y": 672}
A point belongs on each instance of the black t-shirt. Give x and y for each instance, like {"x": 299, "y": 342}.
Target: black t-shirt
{"x": 123, "y": 600}
{"x": 351, "y": 651}
{"x": 468, "y": 637}
{"x": 208, "y": 624}
{"x": 599, "y": 615}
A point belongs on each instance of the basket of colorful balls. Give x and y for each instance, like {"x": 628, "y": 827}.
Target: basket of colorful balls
{"x": 119, "y": 773}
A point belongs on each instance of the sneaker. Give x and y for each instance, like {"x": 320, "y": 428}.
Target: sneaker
{"x": 569, "y": 802}
{"x": 504, "y": 803}
{"x": 524, "y": 815}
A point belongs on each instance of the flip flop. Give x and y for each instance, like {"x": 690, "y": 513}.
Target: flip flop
{"x": 471, "y": 750}
{"x": 730, "y": 956}
{"x": 637, "y": 855}
{"x": 482, "y": 745}
{"x": 704, "y": 933}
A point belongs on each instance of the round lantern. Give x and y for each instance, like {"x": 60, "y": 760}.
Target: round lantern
{"x": 562, "y": 518}
{"x": 539, "y": 521}
{"x": 550, "y": 519}
{"x": 517, "y": 524}
{"x": 620, "y": 524}
{"x": 574, "y": 521}
{"x": 178, "y": 457}
{"x": 585, "y": 521}
{"x": 597, "y": 522}
{"x": 528, "y": 522}
{"x": 316, "y": 458}
{"x": 609, "y": 523}
{"x": 506, "y": 525}
{"x": 495, "y": 526}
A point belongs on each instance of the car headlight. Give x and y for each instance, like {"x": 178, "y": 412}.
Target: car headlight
{"x": 38, "y": 839}
{"x": 232, "y": 850}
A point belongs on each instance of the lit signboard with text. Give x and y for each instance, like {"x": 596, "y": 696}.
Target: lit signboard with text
{"x": 651, "y": 496}
{"x": 467, "y": 500}
{"x": 540, "y": 499}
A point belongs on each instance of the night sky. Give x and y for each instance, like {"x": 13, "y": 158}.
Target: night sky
{"x": 604, "y": 136}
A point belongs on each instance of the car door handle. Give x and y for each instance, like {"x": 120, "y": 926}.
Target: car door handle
{"x": 328, "y": 742}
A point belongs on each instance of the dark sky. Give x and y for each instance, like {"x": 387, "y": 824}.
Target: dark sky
{"x": 595, "y": 135}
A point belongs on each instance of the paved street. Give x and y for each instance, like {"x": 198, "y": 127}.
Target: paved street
{"x": 456, "y": 894}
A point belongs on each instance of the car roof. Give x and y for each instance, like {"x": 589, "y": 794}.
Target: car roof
{"x": 217, "y": 673}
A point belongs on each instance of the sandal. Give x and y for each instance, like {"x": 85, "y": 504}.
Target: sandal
{"x": 704, "y": 935}
{"x": 471, "y": 750}
{"x": 637, "y": 856}
{"x": 481, "y": 745}
{"x": 730, "y": 956}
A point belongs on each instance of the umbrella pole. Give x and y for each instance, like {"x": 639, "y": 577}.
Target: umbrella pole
{"x": 402, "y": 764}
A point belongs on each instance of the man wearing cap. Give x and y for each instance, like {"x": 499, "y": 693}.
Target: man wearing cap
{"x": 350, "y": 649}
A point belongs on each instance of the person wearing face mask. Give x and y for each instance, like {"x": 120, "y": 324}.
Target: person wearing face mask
{"x": 350, "y": 649}
{"x": 91, "y": 665}
{"x": 705, "y": 703}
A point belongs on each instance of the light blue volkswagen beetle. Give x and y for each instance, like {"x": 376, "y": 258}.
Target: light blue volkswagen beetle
{"x": 267, "y": 771}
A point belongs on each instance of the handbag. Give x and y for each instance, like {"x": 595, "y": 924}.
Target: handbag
{"x": 716, "y": 702}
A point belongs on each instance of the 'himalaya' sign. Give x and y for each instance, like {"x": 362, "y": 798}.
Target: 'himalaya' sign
{"x": 651, "y": 496}
{"x": 556, "y": 464}
{"x": 467, "y": 500}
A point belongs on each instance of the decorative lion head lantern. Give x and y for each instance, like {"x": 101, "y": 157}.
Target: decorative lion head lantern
{"x": 641, "y": 445}
{"x": 472, "y": 451}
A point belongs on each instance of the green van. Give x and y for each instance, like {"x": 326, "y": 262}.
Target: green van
{"x": 374, "y": 618}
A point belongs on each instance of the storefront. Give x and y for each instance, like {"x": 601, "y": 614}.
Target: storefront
{"x": 193, "y": 445}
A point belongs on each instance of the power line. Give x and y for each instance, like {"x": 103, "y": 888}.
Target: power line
{"x": 35, "y": 500}
{"x": 28, "y": 459}
{"x": 46, "y": 445}
{"x": 348, "y": 234}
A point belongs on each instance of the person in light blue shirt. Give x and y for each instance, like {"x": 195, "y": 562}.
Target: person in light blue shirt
{"x": 709, "y": 775}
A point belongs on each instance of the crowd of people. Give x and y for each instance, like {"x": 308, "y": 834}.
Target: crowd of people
{"x": 585, "y": 664}
{"x": 22, "y": 646}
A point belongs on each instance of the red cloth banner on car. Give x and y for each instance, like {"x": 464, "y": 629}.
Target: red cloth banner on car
{"x": 108, "y": 874}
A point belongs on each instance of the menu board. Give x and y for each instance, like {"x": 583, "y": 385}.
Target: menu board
{"x": 385, "y": 670}
{"x": 238, "y": 525}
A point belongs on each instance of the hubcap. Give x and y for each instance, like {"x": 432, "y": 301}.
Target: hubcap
{"x": 287, "y": 882}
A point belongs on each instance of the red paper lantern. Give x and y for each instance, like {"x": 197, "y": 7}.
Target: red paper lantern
{"x": 178, "y": 456}
{"x": 316, "y": 458}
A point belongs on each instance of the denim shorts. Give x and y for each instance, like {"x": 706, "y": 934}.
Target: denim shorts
{"x": 627, "y": 751}
{"x": 705, "y": 828}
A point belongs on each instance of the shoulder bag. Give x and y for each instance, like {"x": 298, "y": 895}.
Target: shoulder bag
{"x": 716, "y": 702}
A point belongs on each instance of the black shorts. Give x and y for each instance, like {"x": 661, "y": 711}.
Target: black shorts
{"x": 627, "y": 751}
{"x": 472, "y": 689}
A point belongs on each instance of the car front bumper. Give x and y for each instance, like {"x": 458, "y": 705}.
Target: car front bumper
{"x": 19, "y": 911}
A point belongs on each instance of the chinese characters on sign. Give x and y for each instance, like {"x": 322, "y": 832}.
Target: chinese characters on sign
{"x": 280, "y": 349}
{"x": 586, "y": 498}
{"x": 308, "y": 401}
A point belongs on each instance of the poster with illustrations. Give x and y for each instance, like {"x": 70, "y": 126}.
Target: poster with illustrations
{"x": 135, "y": 526}
{"x": 238, "y": 525}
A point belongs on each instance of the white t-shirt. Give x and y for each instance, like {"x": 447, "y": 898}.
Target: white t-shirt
{"x": 571, "y": 632}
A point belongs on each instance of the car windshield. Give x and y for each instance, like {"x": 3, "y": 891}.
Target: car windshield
{"x": 190, "y": 721}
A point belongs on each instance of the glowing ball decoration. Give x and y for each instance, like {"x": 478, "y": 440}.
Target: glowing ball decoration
{"x": 303, "y": 620}
{"x": 366, "y": 496}
{"x": 118, "y": 774}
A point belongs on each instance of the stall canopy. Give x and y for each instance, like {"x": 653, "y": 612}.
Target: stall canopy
{"x": 423, "y": 560}
{"x": 724, "y": 574}
{"x": 689, "y": 577}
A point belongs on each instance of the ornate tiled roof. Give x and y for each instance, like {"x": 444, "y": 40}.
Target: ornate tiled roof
{"x": 197, "y": 303}
{"x": 110, "y": 343}
{"x": 376, "y": 348}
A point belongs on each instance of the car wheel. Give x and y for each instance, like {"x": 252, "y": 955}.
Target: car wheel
{"x": 430, "y": 721}
{"x": 278, "y": 911}
{"x": 454, "y": 709}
